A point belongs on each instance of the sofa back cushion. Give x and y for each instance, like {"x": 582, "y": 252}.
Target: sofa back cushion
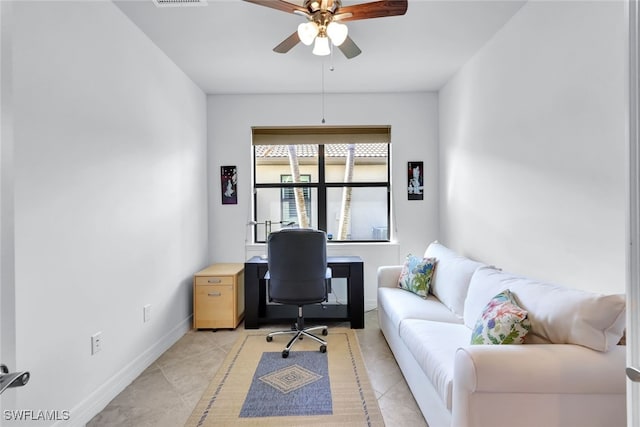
{"x": 452, "y": 276}
{"x": 558, "y": 315}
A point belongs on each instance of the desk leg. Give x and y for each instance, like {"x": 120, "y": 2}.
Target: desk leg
{"x": 356, "y": 295}
{"x": 251, "y": 296}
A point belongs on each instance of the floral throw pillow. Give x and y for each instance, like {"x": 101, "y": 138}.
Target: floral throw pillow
{"x": 417, "y": 274}
{"x": 502, "y": 322}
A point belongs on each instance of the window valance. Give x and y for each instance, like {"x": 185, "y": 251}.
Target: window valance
{"x": 296, "y": 135}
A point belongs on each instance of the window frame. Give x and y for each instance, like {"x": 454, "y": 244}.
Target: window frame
{"x": 321, "y": 187}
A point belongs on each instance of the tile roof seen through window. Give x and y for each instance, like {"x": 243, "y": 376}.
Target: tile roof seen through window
{"x": 331, "y": 150}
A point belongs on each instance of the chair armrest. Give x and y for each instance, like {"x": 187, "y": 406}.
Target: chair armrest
{"x": 388, "y": 276}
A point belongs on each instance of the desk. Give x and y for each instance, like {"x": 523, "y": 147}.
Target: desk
{"x": 257, "y": 310}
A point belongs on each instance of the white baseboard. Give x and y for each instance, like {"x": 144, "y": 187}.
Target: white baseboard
{"x": 100, "y": 398}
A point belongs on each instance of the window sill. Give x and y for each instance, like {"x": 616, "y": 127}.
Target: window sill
{"x": 261, "y": 246}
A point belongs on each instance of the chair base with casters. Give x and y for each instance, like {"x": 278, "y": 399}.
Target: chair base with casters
{"x": 299, "y": 331}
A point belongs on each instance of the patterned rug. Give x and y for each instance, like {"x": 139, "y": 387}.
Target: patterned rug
{"x": 256, "y": 386}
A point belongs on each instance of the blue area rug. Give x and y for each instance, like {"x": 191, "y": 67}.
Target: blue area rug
{"x": 297, "y": 385}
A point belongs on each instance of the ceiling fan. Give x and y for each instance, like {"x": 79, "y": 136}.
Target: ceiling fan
{"x": 324, "y": 22}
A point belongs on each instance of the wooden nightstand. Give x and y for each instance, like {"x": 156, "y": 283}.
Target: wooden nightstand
{"x": 218, "y": 296}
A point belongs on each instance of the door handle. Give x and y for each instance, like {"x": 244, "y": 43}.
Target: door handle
{"x": 633, "y": 374}
{"x": 13, "y": 379}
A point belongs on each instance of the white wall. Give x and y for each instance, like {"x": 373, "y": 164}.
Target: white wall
{"x": 532, "y": 147}
{"x": 7, "y": 225}
{"x": 414, "y": 132}
{"x": 110, "y": 202}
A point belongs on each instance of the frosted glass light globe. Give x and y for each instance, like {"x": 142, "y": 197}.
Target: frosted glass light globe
{"x": 321, "y": 48}
{"x": 307, "y": 32}
{"x": 337, "y": 32}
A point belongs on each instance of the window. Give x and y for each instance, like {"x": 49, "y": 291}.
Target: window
{"x": 332, "y": 179}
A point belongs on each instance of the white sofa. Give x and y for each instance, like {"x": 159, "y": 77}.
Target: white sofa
{"x": 569, "y": 372}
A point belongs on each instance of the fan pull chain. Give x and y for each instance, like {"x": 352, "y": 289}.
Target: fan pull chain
{"x": 331, "y": 67}
{"x": 323, "y": 92}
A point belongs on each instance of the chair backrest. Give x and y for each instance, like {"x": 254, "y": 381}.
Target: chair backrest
{"x": 297, "y": 262}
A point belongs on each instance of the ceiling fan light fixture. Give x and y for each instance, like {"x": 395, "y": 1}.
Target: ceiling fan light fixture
{"x": 307, "y": 32}
{"x": 337, "y": 32}
{"x": 321, "y": 47}
{"x": 327, "y": 17}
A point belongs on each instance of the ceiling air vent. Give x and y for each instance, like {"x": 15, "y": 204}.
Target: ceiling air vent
{"x": 179, "y": 3}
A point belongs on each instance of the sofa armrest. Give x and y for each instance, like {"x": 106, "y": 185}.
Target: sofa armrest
{"x": 540, "y": 368}
{"x": 388, "y": 276}
{"x": 485, "y": 376}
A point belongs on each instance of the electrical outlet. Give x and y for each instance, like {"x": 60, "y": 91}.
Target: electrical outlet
{"x": 146, "y": 313}
{"x": 96, "y": 342}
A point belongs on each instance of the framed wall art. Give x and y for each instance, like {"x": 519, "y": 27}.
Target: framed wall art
{"x": 415, "y": 181}
{"x": 229, "y": 182}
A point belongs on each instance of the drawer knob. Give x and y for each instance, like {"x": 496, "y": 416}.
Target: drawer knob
{"x": 215, "y": 294}
{"x": 214, "y": 280}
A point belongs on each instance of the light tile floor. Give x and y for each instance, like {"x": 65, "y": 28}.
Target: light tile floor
{"x": 167, "y": 391}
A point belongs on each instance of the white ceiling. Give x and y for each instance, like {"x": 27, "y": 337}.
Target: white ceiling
{"x": 226, "y": 46}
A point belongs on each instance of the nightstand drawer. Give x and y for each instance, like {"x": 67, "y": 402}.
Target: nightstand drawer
{"x": 214, "y": 280}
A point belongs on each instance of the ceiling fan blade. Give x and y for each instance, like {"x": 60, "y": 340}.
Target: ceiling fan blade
{"x": 376, "y": 9}
{"x": 349, "y": 48}
{"x": 280, "y": 5}
{"x": 288, "y": 43}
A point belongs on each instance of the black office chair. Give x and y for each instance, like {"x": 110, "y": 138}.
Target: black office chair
{"x": 298, "y": 275}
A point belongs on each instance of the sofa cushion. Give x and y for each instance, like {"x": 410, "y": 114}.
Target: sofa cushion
{"x": 400, "y": 305}
{"x": 558, "y": 314}
{"x": 416, "y": 275}
{"x": 434, "y": 346}
{"x": 452, "y": 276}
{"x": 502, "y": 322}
